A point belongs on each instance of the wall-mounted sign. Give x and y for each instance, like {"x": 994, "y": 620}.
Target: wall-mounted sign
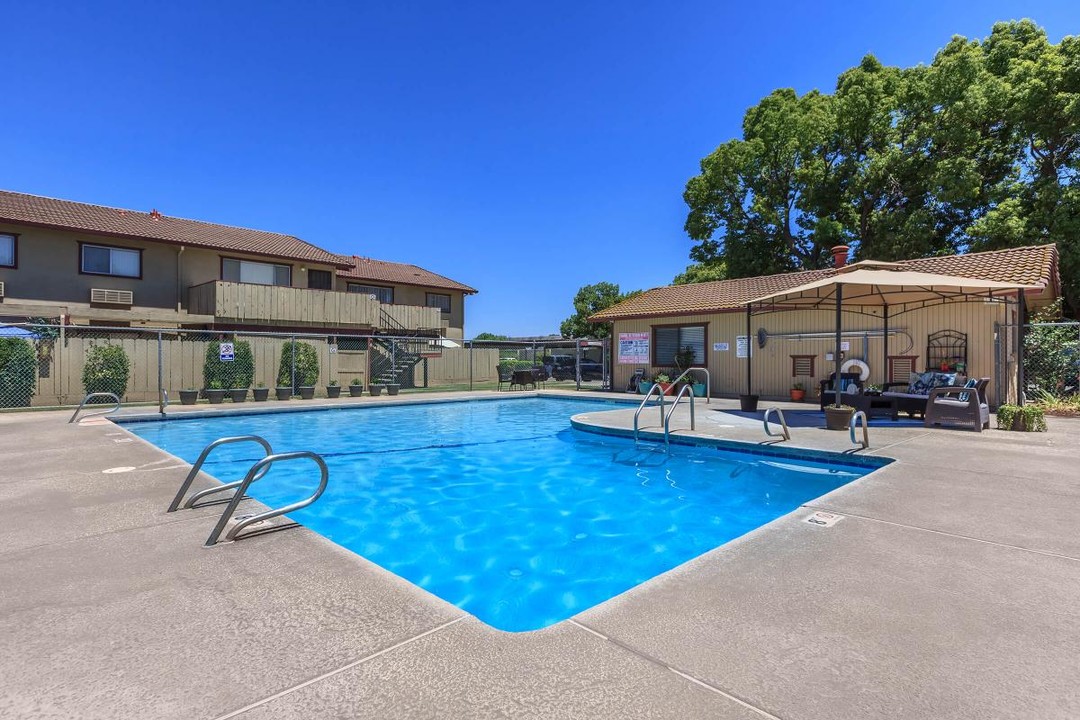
{"x": 634, "y": 348}
{"x": 742, "y": 346}
{"x": 226, "y": 352}
{"x": 721, "y": 347}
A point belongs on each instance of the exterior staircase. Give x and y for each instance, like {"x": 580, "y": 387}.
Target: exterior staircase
{"x": 395, "y": 357}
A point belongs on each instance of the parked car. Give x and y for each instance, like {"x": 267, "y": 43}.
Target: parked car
{"x": 564, "y": 367}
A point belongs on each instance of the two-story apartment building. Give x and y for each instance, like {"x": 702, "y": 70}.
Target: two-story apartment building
{"x": 90, "y": 264}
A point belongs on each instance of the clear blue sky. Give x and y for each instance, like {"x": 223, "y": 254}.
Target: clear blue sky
{"x": 526, "y": 149}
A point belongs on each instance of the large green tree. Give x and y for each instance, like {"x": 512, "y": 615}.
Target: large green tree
{"x": 980, "y": 149}
{"x": 702, "y": 272}
{"x": 591, "y": 299}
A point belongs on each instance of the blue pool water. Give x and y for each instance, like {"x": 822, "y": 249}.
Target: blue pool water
{"x": 500, "y": 507}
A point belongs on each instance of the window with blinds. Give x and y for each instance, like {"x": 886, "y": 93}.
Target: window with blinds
{"x": 670, "y": 339}
{"x": 802, "y": 365}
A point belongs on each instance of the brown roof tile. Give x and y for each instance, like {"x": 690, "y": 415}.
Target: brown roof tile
{"x": 100, "y": 220}
{"x": 1032, "y": 265}
{"x": 401, "y": 273}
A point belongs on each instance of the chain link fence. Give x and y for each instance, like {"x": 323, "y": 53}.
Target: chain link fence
{"x": 1051, "y": 360}
{"x": 56, "y": 365}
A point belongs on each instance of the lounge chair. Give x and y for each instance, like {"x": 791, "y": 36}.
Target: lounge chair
{"x": 963, "y": 406}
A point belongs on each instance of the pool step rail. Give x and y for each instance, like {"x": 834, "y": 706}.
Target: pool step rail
{"x": 186, "y": 485}
{"x": 659, "y": 392}
{"x": 685, "y": 391}
{"x": 855, "y": 418}
{"x": 231, "y": 524}
{"x": 91, "y": 396}
{"x": 784, "y": 432}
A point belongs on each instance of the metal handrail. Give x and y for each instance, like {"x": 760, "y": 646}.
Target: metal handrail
{"x": 256, "y": 471}
{"x": 865, "y": 442}
{"x": 667, "y": 420}
{"x": 198, "y": 466}
{"x": 784, "y": 432}
{"x": 708, "y": 380}
{"x": 637, "y": 413}
{"x": 100, "y": 412}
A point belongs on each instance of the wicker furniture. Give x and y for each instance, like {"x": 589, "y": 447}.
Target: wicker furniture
{"x": 828, "y": 392}
{"x": 961, "y": 406}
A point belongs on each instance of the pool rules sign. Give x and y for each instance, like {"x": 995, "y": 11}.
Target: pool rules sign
{"x": 634, "y": 348}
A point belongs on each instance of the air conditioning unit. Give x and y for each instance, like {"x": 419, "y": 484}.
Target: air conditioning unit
{"x": 1, "y": 291}
{"x": 112, "y": 297}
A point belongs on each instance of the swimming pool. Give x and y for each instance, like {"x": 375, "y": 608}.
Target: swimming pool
{"x": 498, "y": 506}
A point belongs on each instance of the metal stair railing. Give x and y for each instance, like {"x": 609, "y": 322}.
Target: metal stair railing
{"x": 865, "y": 442}
{"x": 688, "y": 372}
{"x": 99, "y": 413}
{"x": 685, "y": 390}
{"x": 641, "y": 407}
{"x": 784, "y": 432}
{"x": 256, "y": 471}
{"x": 198, "y": 466}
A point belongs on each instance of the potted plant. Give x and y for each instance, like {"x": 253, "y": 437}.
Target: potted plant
{"x": 376, "y": 389}
{"x": 238, "y": 394}
{"x": 798, "y": 392}
{"x": 838, "y": 417}
{"x": 748, "y": 403}
{"x": 214, "y": 392}
{"x": 260, "y": 393}
{"x": 189, "y": 396}
{"x": 307, "y": 392}
{"x": 234, "y": 376}
{"x": 300, "y": 365}
{"x": 283, "y": 393}
{"x": 392, "y": 388}
{"x": 106, "y": 370}
{"x": 664, "y": 381}
{"x": 356, "y": 388}
{"x": 333, "y": 390}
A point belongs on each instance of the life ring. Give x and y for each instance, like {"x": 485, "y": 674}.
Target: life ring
{"x": 864, "y": 369}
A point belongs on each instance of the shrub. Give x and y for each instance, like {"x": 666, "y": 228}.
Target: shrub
{"x": 106, "y": 370}
{"x": 1028, "y": 418}
{"x": 239, "y": 373}
{"x": 307, "y": 365}
{"x": 18, "y": 372}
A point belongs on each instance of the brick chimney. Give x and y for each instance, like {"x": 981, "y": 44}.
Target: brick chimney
{"x": 839, "y": 255}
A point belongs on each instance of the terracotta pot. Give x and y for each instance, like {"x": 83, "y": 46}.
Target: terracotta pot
{"x": 797, "y": 395}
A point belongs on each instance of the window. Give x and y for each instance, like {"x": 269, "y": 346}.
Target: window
{"x": 320, "y": 280}
{"x": 8, "y": 256}
{"x": 671, "y": 339}
{"x": 384, "y": 295}
{"x": 802, "y": 365}
{"x": 257, "y": 273}
{"x": 440, "y": 301}
{"x": 104, "y": 260}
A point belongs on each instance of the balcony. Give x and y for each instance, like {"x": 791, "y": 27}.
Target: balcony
{"x": 272, "y": 305}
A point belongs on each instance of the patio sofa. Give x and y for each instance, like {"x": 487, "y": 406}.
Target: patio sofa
{"x": 849, "y": 384}
{"x": 916, "y": 392}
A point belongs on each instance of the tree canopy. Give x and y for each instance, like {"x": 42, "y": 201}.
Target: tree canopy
{"x": 491, "y": 336}
{"x": 702, "y": 272}
{"x": 592, "y": 299}
{"x": 978, "y": 150}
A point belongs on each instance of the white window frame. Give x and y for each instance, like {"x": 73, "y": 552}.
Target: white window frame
{"x": 111, "y": 250}
{"x": 14, "y": 239}
{"x": 240, "y": 272}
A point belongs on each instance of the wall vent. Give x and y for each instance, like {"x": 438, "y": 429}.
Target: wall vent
{"x": 1, "y": 291}
{"x": 112, "y": 297}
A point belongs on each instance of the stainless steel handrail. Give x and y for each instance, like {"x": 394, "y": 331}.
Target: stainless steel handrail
{"x": 637, "y": 413}
{"x": 100, "y": 412}
{"x": 708, "y": 380}
{"x": 784, "y": 432}
{"x": 667, "y": 420}
{"x": 865, "y": 442}
{"x": 198, "y": 466}
{"x": 256, "y": 471}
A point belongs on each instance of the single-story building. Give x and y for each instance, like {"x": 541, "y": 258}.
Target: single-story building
{"x": 789, "y": 347}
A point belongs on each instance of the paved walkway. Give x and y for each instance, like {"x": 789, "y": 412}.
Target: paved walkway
{"x": 948, "y": 589}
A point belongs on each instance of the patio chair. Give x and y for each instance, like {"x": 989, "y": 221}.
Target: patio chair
{"x": 847, "y": 380}
{"x": 911, "y": 396}
{"x": 961, "y": 406}
{"x": 506, "y": 377}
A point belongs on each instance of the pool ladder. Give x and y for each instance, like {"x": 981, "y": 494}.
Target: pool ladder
{"x": 255, "y": 472}
{"x": 88, "y": 398}
{"x": 665, "y": 418}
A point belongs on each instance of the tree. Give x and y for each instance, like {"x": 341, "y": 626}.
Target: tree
{"x": 702, "y": 272}
{"x": 591, "y": 299}
{"x": 978, "y": 150}
{"x": 491, "y": 336}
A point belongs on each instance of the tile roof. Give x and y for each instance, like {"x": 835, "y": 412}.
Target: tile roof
{"x": 1032, "y": 265}
{"x": 401, "y": 273}
{"x": 100, "y": 220}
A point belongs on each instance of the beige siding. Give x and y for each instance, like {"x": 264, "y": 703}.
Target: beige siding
{"x": 772, "y": 365}
{"x": 453, "y": 323}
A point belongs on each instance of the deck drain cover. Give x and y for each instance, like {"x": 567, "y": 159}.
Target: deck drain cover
{"x": 121, "y": 469}
{"x": 824, "y": 519}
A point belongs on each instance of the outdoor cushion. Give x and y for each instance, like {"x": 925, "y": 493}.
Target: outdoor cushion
{"x": 963, "y": 397}
{"x": 920, "y": 383}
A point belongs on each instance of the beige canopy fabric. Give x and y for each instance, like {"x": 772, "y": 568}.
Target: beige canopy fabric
{"x": 881, "y": 285}
{"x": 876, "y": 284}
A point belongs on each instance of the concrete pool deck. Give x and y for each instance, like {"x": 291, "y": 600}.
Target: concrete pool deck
{"x": 948, "y": 589}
